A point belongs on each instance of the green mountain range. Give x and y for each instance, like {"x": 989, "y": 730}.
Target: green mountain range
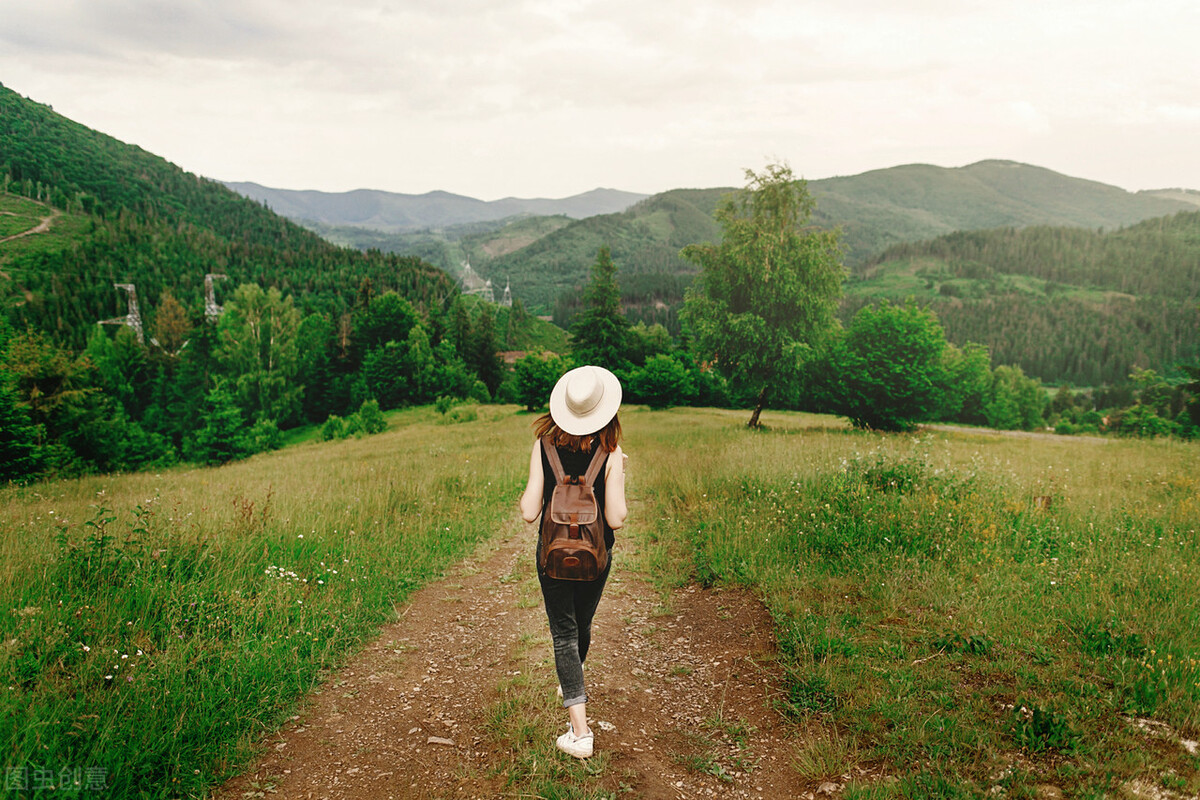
{"x": 1039, "y": 281}
{"x": 874, "y": 210}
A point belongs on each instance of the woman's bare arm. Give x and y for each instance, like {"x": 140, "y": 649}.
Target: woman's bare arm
{"x": 531, "y": 501}
{"x": 615, "y": 509}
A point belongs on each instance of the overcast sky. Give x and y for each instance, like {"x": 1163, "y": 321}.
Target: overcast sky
{"x": 492, "y": 98}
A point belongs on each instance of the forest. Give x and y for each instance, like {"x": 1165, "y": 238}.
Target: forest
{"x": 309, "y": 329}
{"x": 1066, "y": 304}
{"x": 308, "y": 333}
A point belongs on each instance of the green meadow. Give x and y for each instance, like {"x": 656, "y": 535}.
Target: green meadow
{"x": 954, "y": 611}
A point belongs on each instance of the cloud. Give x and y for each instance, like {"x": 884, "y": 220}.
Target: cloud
{"x": 476, "y": 96}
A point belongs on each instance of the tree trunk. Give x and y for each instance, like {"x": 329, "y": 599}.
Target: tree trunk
{"x": 758, "y": 407}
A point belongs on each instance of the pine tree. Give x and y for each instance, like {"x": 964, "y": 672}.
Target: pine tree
{"x": 223, "y": 436}
{"x": 19, "y": 451}
{"x": 600, "y": 332}
{"x": 485, "y": 355}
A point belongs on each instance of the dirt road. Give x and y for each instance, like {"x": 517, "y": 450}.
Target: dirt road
{"x": 457, "y": 698}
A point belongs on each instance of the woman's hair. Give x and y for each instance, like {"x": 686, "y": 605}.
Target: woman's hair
{"x": 608, "y": 436}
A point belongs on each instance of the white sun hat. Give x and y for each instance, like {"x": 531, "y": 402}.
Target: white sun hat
{"x": 584, "y": 400}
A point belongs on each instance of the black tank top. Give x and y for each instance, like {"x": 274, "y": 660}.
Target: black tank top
{"x": 575, "y": 462}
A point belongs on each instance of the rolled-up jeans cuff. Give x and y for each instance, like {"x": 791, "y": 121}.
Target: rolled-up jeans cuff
{"x": 574, "y": 701}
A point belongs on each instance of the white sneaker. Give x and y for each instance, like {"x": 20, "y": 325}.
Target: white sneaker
{"x": 577, "y": 746}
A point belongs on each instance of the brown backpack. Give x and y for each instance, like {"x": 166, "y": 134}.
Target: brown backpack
{"x": 572, "y": 546}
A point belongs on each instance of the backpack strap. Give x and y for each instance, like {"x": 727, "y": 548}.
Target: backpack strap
{"x": 593, "y": 470}
{"x": 555, "y": 462}
{"x": 560, "y": 477}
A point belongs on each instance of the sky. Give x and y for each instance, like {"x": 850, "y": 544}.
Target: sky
{"x": 550, "y": 98}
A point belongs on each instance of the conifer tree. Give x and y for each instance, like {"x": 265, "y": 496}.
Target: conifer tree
{"x": 19, "y": 452}
{"x": 484, "y": 352}
{"x": 223, "y": 436}
{"x": 600, "y": 332}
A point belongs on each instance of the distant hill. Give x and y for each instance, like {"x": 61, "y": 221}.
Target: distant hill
{"x": 909, "y": 203}
{"x": 1183, "y": 195}
{"x": 875, "y": 210}
{"x": 1066, "y": 304}
{"x": 392, "y": 212}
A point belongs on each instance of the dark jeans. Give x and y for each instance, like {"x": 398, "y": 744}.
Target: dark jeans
{"x": 570, "y": 607}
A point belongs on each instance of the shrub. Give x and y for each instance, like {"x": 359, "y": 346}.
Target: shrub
{"x": 662, "y": 383}
{"x": 887, "y": 372}
{"x": 479, "y": 393}
{"x": 1141, "y": 421}
{"x": 371, "y": 418}
{"x": 265, "y": 435}
{"x": 535, "y": 377}
{"x": 333, "y": 428}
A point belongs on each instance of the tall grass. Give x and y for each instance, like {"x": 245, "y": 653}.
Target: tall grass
{"x": 961, "y": 608}
{"x": 940, "y": 625}
{"x": 155, "y": 625}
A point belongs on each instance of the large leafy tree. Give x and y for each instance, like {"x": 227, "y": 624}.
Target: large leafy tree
{"x": 767, "y": 294}
{"x": 600, "y": 332}
{"x": 257, "y": 335}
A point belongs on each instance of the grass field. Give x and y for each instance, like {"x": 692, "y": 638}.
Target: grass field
{"x": 955, "y": 611}
{"x": 19, "y": 214}
{"x": 930, "y": 278}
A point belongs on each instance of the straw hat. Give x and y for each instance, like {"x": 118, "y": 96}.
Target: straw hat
{"x": 584, "y": 400}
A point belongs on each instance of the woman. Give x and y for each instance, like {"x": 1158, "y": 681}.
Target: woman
{"x": 582, "y": 421}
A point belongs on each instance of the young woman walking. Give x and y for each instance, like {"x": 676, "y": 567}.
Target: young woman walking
{"x": 582, "y": 424}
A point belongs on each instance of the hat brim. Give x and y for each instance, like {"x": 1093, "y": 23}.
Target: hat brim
{"x": 597, "y": 417}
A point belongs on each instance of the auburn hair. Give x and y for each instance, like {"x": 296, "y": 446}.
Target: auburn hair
{"x": 608, "y": 436}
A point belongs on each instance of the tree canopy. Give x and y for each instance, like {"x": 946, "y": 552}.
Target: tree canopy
{"x": 768, "y": 292}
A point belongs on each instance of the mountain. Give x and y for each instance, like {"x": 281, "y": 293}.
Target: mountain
{"x": 1191, "y": 196}
{"x": 1065, "y": 304}
{"x": 392, "y": 212}
{"x": 875, "y": 210}
{"x": 918, "y": 201}
{"x": 122, "y": 215}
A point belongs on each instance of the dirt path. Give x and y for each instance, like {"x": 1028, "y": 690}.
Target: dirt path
{"x": 41, "y": 227}
{"x": 458, "y": 695}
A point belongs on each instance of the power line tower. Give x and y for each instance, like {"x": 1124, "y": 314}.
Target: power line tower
{"x": 473, "y": 283}
{"x": 134, "y": 318}
{"x": 212, "y": 311}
